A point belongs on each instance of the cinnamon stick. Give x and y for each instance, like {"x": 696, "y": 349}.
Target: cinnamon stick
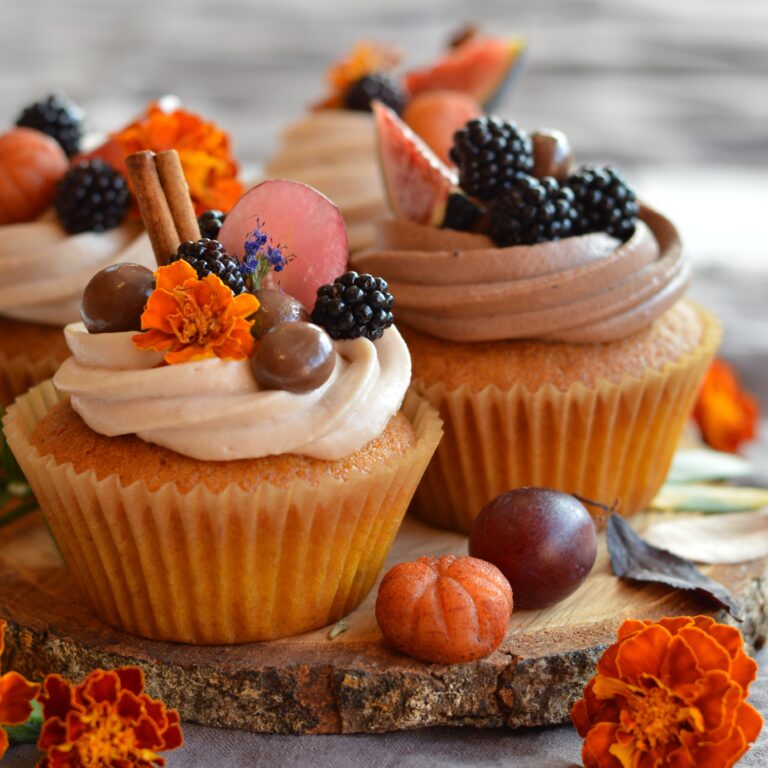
{"x": 177, "y": 194}
{"x": 153, "y": 206}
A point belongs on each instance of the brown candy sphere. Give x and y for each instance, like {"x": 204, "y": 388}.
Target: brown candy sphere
{"x": 296, "y": 356}
{"x": 552, "y": 154}
{"x": 115, "y": 297}
{"x": 276, "y": 307}
{"x": 543, "y": 541}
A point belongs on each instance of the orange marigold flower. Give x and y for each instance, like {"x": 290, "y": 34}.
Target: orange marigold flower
{"x": 364, "y": 59}
{"x": 16, "y": 696}
{"x": 727, "y": 415}
{"x": 670, "y": 693}
{"x": 107, "y": 721}
{"x": 192, "y": 319}
{"x": 204, "y": 151}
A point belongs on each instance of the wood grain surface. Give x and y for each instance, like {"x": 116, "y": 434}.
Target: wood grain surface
{"x": 355, "y": 682}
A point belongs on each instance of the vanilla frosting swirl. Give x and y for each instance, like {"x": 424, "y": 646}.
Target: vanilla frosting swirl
{"x": 43, "y": 269}
{"x": 591, "y": 288}
{"x": 334, "y": 151}
{"x": 214, "y": 410}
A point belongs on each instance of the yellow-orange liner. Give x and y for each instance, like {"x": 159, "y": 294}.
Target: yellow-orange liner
{"x": 607, "y": 442}
{"x": 229, "y": 567}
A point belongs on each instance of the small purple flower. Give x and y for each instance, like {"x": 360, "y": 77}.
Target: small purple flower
{"x": 260, "y": 256}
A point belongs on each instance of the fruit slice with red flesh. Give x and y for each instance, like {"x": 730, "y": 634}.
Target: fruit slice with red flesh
{"x": 437, "y": 115}
{"x": 417, "y": 181}
{"x": 308, "y": 226}
{"x": 479, "y": 67}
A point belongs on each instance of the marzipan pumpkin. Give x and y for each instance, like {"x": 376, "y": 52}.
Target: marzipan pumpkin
{"x": 31, "y": 164}
{"x": 449, "y": 609}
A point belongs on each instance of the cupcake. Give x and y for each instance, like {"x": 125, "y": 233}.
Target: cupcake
{"x": 62, "y": 221}
{"x": 545, "y": 318}
{"x": 333, "y": 147}
{"x": 234, "y": 472}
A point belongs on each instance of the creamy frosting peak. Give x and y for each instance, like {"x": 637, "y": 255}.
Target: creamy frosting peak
{"x": 334, "y": 150}
{"x": 214, "y": 410}
{"x": 44, "y": 270}
{"x": 591, "y": 288}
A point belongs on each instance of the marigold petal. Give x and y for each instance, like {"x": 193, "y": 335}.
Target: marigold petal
{"x": 16, "y": 695}
{"x": 3, "y": 743}
{"x": 155, "y": 315}
{"x": 245, "y": 304}
{"x": 173, "y": 275}
{"x": 750, "y": 721}
{"x": 630, "y": 627}
{"x": 56, "y": 697}
{"x": 52, "y": 733}
{"x": 708, "y": 652}
{"x": 643, "y": 653}
{"x": 596, "y": 750}
{"x": 154, "y": 339}
{"x": 131, "y": 679}
{"x": 680, "y": 666}
{"x": 673, "y": 624}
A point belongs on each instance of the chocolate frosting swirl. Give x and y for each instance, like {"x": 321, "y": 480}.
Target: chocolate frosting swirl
{"x": 591, "y": 288}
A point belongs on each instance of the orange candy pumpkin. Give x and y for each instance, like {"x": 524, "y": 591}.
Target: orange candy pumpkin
{"x": 447, "y": 610}
{"x": 30, "y": 165}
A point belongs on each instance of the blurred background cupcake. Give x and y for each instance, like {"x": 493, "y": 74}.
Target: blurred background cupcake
{"x": 333, "y": 147}
{"x": 66, "y": 212}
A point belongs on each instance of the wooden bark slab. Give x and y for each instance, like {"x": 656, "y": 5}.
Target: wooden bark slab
{"x": 354, "y": 683}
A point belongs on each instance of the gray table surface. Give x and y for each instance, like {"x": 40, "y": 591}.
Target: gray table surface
{"x": 673, "y": 92}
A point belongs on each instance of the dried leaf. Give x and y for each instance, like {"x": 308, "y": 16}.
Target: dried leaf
{"x": 732, "y": 538}
{"x": 636, "y": 560}
{"x": 703, "y": 464}
{"x": 708, "y": 498}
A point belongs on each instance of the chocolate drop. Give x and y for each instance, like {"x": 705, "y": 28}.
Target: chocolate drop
{"x": 115, "y": 297}
{"x": 552, "y": 154}
{"x": 277, "y": 307}
{"x": 296, "y": 356}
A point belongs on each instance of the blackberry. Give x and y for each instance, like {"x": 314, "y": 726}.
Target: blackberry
{"x": 461, "y": 213}
{"x": 210, "y": 223}
{"x": 491, "y": 154}
{"x": 353, "y": 306}
{"x": 57, "y": 116}
{"x": 533, "y": 211}
{"x": 91, "y": 197}
{"x": 604, "y": 202}
{"x": 208, "y": 257}
{"x": 375, "y": 87}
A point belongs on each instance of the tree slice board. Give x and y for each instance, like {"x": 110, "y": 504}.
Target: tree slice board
{"x": 355, "y": 682}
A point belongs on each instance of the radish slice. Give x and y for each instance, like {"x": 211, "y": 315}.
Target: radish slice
{"x": 307, "y": 225}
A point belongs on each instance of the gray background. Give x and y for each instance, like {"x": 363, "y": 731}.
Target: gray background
{"x": 674, "y": 91}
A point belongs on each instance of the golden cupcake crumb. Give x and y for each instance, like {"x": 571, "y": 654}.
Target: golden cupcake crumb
{"x": 65, "y": 436}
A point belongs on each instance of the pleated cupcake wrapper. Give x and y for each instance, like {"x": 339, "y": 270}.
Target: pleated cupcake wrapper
{"x": 606, "y": 443}
{"x": 19, "y": 373}
{"x": 227, "y": 567}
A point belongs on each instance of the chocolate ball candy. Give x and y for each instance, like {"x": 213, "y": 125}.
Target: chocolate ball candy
{"x": 115, "y": 297}
{"x": 276, "y": 307}
{"x": 552, "y": 154}
{"x": 543, "y": 541}
{"x": 296, "y": 356}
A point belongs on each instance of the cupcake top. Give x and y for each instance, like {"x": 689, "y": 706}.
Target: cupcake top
{"x": 513, "y": 244}
{"x": 62, "y": 219}
{"x": 227, "y": 368}
{"x": 333, "y": 146}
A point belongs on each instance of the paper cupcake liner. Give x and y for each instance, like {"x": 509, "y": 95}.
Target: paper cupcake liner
{"x": 19, "y": 373}
{"x": 227, "y": 567}
{"x": 606, "y": 443}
